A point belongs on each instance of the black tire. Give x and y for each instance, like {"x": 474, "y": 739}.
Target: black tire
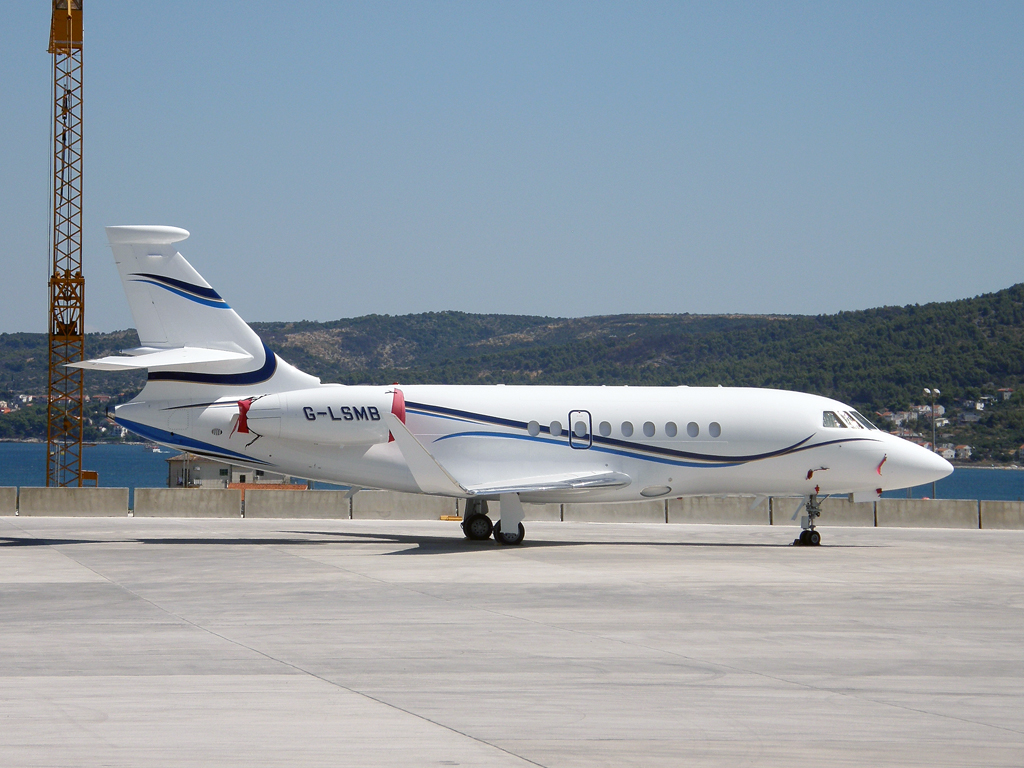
{"x": 477, "y": 527}
{"x": 805, "y": 538}
{"x": 503, "y": 538}
{"x": 813, "y": 538}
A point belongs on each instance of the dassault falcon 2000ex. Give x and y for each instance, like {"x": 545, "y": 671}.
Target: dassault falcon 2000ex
{"x": 215, "y": 389}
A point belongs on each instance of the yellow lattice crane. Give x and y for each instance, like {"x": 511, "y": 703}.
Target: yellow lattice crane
{"x": 65, "y": 417}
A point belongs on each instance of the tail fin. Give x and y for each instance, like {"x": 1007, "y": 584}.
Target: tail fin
{"x": 187, "y": 331}
{"x": 171, "y": 303}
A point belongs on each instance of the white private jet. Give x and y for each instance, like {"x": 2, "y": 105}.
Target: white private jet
{"x": 215, "y": 389}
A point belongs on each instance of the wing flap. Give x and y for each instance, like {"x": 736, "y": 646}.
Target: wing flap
{"x": 576, "y": 481}
{"x": 163, "y": 358}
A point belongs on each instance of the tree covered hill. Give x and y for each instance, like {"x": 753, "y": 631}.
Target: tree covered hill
{"x": 874, "y": 358}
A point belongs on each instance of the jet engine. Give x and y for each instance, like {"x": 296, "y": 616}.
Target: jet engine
{"x": 323, "y": 415}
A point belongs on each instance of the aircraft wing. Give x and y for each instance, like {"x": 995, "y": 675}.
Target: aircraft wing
{"x": 431, "y": 477}
{"x": 161, "y": 359}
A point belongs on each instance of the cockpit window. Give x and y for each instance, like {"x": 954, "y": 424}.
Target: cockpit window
{"x": 849, "y": 421}
{"x": 831, "y": 420}
{"x": 860, "y": 419}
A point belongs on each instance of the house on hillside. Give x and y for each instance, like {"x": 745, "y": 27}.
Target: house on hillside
{"x": 947, "y": 453}
{"x": 970, "y": 418}
{"x": 902, "y": 417}
{"x": 1006, "y": 393}
{"x": 963, "y": 452}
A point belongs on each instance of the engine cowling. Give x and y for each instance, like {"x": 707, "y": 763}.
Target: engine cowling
{"x": 324, "y": 415}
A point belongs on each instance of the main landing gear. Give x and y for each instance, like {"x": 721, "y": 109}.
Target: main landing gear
{"x": 477, "y": 526}
{"x": 808, "y": 536}
{"x": 509, "y": 538}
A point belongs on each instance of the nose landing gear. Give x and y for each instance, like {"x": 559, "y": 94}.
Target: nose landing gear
{"x": 808, "y": 536}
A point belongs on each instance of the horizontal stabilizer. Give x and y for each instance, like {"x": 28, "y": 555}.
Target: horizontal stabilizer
{"x": 164, "y": 358}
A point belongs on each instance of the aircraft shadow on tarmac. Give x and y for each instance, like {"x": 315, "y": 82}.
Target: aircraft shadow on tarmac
{"x": 416, "y": 544}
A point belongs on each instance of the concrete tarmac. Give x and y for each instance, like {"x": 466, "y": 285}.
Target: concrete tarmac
{"x": 207, "y": 642}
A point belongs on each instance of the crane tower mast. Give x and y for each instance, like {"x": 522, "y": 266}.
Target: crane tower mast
{"x": 65, "y": 402}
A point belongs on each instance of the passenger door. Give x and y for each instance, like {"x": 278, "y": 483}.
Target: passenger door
{"x": 580, "y": 436}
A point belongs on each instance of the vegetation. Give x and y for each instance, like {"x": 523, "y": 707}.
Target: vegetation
{"x": 875, "y": 359}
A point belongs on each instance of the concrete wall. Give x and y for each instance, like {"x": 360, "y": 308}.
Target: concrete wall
{"x": 927, "y": 513}
{"x": 188, "y": 502}
{"x": 1002, "y": 514}
{"x": 323, "y": 505}
{"x": 625, "y": 512}
{"x": 544, "y": 512}
{"x": 734, "y": 510}
{"x": 391, "y": 505}
{"x": 73, "y": 502}
{"x": 834, "y": 511}
{"x": 8, "y": 501}
{"x": 387, "y": 505}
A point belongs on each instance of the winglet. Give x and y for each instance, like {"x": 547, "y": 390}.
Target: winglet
{"x": 429, "y": 475}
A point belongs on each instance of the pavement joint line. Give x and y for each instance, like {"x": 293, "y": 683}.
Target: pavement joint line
{"x": 720, "y": 665}
{"x": 695, "y": 660}
{"x": 285, "y": 663}
{"x": 692, "y": 659}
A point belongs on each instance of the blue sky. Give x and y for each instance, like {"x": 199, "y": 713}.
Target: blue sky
{"x": 568, "y": 159}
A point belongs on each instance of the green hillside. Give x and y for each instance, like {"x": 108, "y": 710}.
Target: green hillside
{"x": 874, "y": 359}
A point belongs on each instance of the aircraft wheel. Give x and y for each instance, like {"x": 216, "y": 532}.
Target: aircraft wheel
{"x": 504, "y": 538}
{"x": 477, "y": 527}
{"x": 803, "y": 537}
{"x": 813, "y": 538}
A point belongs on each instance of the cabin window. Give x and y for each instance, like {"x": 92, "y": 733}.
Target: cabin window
{"x": 649, "y": 428}
{"x": 533, "y": 428}
{"x": 627, "y": 429}
{"x": 715, "y": 429}
{"x": 831, "y": 420}
{"x": 580, "y": 430}
{"x": 670, "y": 429}
{"x": 556, "y": 428}
{"x": 692, "y": 429}
{"x": 605, "y": 429}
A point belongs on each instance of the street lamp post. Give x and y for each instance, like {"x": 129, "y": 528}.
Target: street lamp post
{"x": 933, "y": 392}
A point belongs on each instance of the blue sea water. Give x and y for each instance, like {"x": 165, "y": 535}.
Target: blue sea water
{"x": 134, "y": 466}
{"x": 119, "y": 466}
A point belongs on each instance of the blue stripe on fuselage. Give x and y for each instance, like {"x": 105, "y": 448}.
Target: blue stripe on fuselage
{"x": 184, "y": 443}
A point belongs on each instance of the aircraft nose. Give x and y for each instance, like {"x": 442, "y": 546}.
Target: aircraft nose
{"x": 909, "y": 465}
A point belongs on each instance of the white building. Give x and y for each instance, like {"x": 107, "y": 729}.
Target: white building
{"x": 191, "y": 471}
